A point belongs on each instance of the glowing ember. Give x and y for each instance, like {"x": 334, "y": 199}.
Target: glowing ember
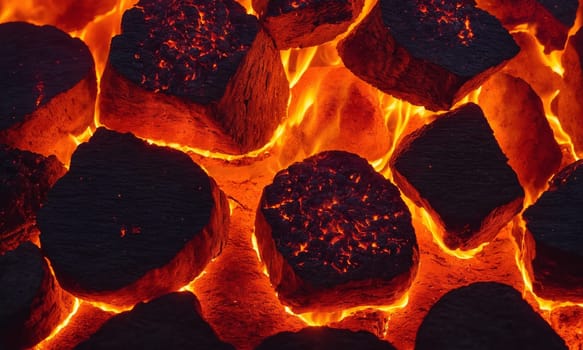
{"x": 234, "y": 285}
{"x": 335, "y": 221}
{"x": 177, "y": 47}
{"x": 450, "y": 16}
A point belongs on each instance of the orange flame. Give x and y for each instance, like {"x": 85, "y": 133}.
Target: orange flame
{"x": 60, "y": 327}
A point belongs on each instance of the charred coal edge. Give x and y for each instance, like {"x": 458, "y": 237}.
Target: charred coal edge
{"x": 316, "y": 337}
{"x": 570, "y": 7}
{"x": 133, "y": 317}
{"x": 31, "y": 133}
{"x": 442, "y": 93}
{"x": 302, "y": 297}
{"x": 262, "y": 63}
{"x": 187, "y": 264}
{"x": 12, "y": 239}
{"x": 490, "y": 225}
{"x": 217, "y": 120}
{"x": 552, "y": 272}
{"x": 304, "y": 32}
{"x": 203, "y": 132}
{"x": 50, "y": 306}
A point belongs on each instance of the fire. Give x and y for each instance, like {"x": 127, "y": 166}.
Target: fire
{"x": 325, "y": 318}
{"x": 304, "y": 108}
{"x": 60, "y": 327}
{"x": 318, "y": 319}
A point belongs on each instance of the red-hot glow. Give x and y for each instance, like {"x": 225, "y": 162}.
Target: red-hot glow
{"x": 60, "y": 327}
{"x": 288, "y": 144}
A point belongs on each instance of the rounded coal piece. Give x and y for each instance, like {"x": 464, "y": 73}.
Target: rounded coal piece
{"x": 324, "y": 338}
{"x": 31, "y": 302}
{"x": 131, "y": 221}
{"x": 485, "y": 315}
{"x": 335, "y": 234}
{"x": 172, "y": 321}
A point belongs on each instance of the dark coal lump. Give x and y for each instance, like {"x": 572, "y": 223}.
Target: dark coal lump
{"x": 556, "y": 225}
{"x": 454, "y": 168}
{"x": 48, "y": 87}
{"x": 485, "y": 315}
{"x": 131, "y": 221}
{"x": 207, "y": 64}
{"x": 172, "y": 321}
{"x": 31, "y": 302}
{"x": 324, "y": 338}
{"x": 429, "y": 53}
{"x": 25, "y": 180}
{"x": 303, "y": 23}
{"x": 329, "y": 224}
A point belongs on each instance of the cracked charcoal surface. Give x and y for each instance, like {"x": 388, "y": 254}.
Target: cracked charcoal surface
{"x": 453, "y": 34}
{"x": 183, "y": 48}
{"x": 334, "y": 219}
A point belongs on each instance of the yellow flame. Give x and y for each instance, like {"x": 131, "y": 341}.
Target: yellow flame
{"x": 189, "y": 287}
{"x": 296, "y": 62}
{"x": 316, "y": 319}
{"x": 109, "y": 308}
{"x": 60, "y": 327}
{"x": 552, "y": 60}
{"x": 430, "y": 224}
{"x": 82, "y": 137}
{"x": 256, "y": 249}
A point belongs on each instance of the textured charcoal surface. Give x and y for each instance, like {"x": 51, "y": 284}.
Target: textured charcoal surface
{"x": 454, "y": 167}
{"x": 305, "y": 23}
{"x": 563, "y": 10}
{"x": 335, "y": 220}
{"x": 556, "y": 225}
{"x": 485, "y": 315}
{"x": 25, "y": 180}
{"x": 324, "y": 338}
{"x": 172, "y": 321}
{"x": 123, "y": 209}
{"x": 37, "y": 63}
{"x": 427, "y": 52}
{"x": 183, "y": 48}
{"x": 31, "y": 304}
{"x": 452, "y": 34}
{"x": 334, "y": 234}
